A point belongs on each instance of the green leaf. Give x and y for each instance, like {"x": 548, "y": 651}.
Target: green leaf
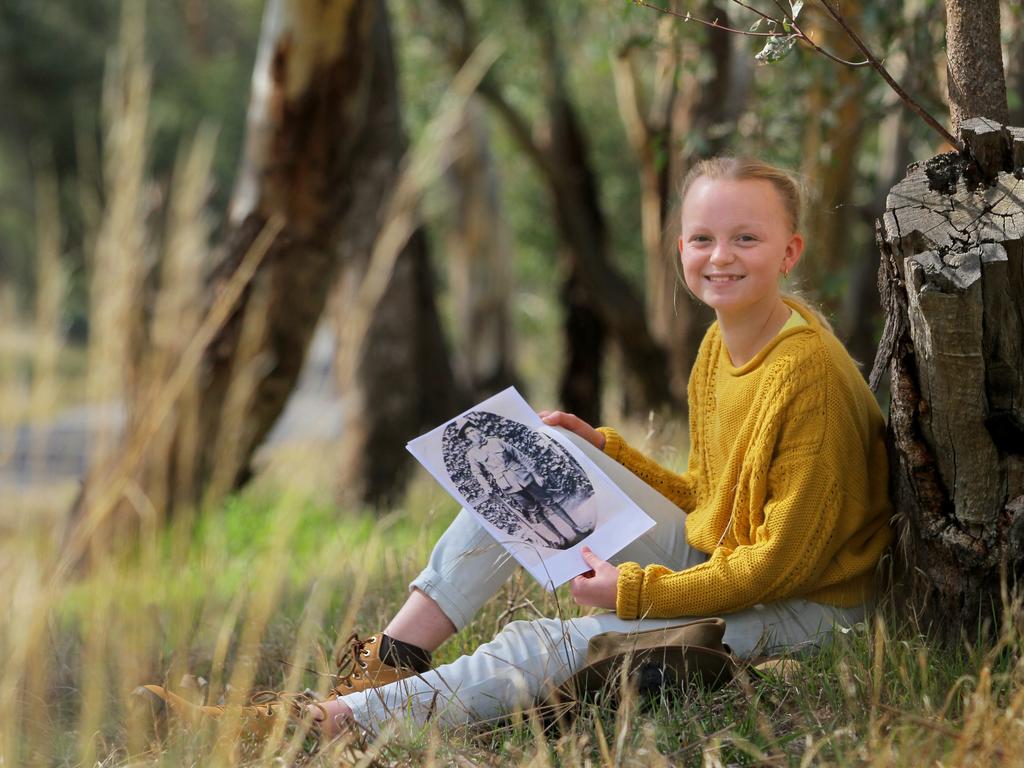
{"x": 776, "y": 49}
{"x": 756, "y": 25}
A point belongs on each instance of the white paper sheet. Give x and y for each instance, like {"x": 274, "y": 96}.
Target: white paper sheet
{"x": 528, "y": 485}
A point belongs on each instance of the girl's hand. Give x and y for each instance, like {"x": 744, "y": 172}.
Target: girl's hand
{"x": 334, "y": 716}
{"x": 574, "y": 424}
{"x": 598, "y": 587}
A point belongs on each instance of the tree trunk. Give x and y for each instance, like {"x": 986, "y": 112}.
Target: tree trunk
{"x": 977, "y": 87}
{"x": 679, "y": 126}
{"x": 584, "y": 232}
{"x": 584, "y": 235}
{"x": 480, "y": 262}
{"x": 601, "y": 300}
{"x": 952, "y": 284}
{"x": 1012, "y": 25}
{"x": 860, "y": 313}
{"x": 586, "y": 335}
{"x": 860, "y": 310}
{"x": 952, "y": 280}
{"x": 830, "y": 156}
{"x": 307, "y": 134}
{"x": 403, "y": 381}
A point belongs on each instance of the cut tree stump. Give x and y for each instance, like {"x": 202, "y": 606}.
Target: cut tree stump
{"x": 952, "y": 284}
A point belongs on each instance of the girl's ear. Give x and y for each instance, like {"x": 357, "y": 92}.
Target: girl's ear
{"x": 794, "y": 250}
{"x": 680, "y": 245}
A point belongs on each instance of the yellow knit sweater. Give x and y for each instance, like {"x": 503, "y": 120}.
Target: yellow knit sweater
{"x": 786, "y": 485}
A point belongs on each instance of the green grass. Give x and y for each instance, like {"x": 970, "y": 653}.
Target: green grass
{"x": 271, "y": 580}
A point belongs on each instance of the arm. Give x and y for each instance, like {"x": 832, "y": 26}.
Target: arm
{"x": 677, "y": 488}
{"x": 680, "y": 489}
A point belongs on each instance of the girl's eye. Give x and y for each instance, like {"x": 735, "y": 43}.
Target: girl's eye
{"x": 699, "y": 239}
{"x": 747, "y": 238}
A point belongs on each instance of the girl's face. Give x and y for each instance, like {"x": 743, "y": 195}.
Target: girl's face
{"x": 736, "y": 241}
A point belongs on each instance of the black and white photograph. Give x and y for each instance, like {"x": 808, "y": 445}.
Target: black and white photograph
{"x": 530, "y": 486}
{"x": 520, "y": 480}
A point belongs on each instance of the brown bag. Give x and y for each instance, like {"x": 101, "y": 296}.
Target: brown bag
{"x": 668, "y": 658}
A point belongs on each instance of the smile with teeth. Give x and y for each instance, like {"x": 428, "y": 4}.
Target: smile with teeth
{"x": 723, "y": 278}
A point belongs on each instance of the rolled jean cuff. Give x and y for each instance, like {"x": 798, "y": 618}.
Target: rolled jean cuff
{"x": 452, "y": 602}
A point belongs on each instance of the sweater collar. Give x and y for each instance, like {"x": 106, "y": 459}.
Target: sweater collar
{"x": 754, "y": 363}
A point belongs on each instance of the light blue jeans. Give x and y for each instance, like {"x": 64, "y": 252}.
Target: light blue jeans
{"x": 466, "y": 569}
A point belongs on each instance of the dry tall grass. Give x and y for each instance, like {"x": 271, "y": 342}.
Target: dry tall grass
{"x": 259, "y": 594}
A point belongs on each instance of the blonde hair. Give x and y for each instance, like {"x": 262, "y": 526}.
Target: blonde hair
{"x": 749, "y": 168}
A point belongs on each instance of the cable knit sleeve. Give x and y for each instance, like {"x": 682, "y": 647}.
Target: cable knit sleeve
{"x": 786, "y": 536}
{"x": 680, "y": 489}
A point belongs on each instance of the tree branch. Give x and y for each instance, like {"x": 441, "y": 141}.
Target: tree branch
{"x": 760, "y": 13}
{"x": 491, "y": 89}
{"x": 628, "y": 96}
{"x": 713, "y": 24}
{"x": 798, "y": 33}
{"x": 810, "y": 41}
{"x": 516, "y": 124}
{"x": 788, "y": 21}
{"x": 881, "y": 70}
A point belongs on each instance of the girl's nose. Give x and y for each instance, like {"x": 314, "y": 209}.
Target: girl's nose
{"x": 721, "y": 254}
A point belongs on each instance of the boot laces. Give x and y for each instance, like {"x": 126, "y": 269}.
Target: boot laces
{"x": 349, "y": 662}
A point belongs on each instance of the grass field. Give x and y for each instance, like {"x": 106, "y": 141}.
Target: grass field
{"x": 256, "y": 594}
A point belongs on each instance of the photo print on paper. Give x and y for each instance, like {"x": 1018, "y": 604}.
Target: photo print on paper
{"x": 519, "y": 480}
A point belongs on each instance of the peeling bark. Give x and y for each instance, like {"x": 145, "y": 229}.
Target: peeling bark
{"x": 309, "y": 140}
{"x": 306, "y": 124}
{"x": 952, "y": 280}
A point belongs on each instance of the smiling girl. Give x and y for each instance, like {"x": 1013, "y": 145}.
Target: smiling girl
{"x": 777, "y": 525}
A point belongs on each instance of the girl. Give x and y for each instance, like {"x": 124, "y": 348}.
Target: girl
{"x": 777, "y": 525}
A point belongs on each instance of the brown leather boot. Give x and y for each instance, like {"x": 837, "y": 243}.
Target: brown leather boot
{"x": 360, "y": 666}
{"x": 255, "y": 721}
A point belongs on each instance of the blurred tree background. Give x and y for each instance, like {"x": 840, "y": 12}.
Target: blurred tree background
{"x": 548, "y": 229}
{"x": 427, "y": 201}
{"x": 52, "y": 62}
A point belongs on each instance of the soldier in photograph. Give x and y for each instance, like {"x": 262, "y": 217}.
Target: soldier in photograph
{"x": 505, "y": 471}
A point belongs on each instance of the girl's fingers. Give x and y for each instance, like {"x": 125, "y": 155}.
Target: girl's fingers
{"x": 574, "y": 424}
{"x": 591, "y": 559}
